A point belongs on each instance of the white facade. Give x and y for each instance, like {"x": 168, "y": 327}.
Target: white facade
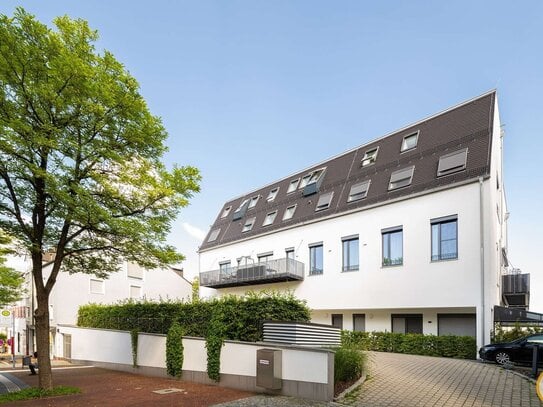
{"x": 467, "y": 286}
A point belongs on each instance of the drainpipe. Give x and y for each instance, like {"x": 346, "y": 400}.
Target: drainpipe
{"x": 482, "y": 255}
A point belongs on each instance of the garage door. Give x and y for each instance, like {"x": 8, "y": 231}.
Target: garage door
{"x": 456, "y": 324}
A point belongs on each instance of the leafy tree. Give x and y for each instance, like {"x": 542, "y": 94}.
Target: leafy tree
{"x": 10, "y": 280}
{"x": 80, "y": 160}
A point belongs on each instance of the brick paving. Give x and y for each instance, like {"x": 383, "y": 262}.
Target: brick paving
{"x": 408, "y": 380}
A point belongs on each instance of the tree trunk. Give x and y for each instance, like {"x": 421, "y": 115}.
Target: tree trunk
{"x": 42, "y": 339}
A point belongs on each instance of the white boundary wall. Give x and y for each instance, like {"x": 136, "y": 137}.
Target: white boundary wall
{"x": 306, "y": 372}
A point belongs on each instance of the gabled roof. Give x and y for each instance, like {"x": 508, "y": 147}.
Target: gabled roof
{"x": 461, "y": 134}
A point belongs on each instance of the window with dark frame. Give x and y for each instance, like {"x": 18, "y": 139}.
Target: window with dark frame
{"x": 289, "y": 253}
{"x": 406, "y": 323}
{"x": 315, "y": 260}
{"x": 337, "y": 321}
{"x": 392, "y": 246}
{"x": 444, "y": 238}
{"x": 350, "y": 254}
{"x": 359, "y": 322}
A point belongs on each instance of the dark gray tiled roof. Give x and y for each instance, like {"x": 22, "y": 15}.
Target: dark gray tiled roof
{"x": 467, "y": 126}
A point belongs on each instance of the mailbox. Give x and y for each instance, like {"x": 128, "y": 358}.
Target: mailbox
{"x": 269, "y": 368}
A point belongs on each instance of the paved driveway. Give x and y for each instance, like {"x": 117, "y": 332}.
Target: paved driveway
{"x": 408, "y": 380}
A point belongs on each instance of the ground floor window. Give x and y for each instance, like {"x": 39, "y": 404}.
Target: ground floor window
{"x": 337, "y": 321}
{"x": 407, "y": 323}
{"x": 359, "y": 322}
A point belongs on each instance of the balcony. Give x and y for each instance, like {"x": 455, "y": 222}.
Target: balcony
{"x": 271, "y": 271}
{"x": 516, "y": 290}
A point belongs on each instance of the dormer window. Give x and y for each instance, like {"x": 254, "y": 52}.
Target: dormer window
{"x": 273, "y": 193}
{"x": 213, "y": 235}
{"x": 226, "y": 211}
{"x": 289, "y": 212}
{"x": 240, "y": 212}
{"x": 401, "y": 178}
{"x": 370, "y": 157}
{"x": 410, "y": 141}
{"x": 248, "y": 224}
{"x": 359, "y": 191}
{"x": 293, "y": 185}
{"x": 304, "y": 181}
{"x": 270, "y": 217}
{"x": 324, "y": 201}
{"x": 453, "y": 162}
{"x": 314, "y": 180}
{"x": 253, "y": 201}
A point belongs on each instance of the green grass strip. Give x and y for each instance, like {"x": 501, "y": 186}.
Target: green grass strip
{"x": 37, "y": 393}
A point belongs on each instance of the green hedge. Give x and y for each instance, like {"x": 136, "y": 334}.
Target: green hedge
{"x": 450, "y": 346}
{"x": 242, "y": 316}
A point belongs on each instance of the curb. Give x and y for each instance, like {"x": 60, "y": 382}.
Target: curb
{"x": 351, "y": 387}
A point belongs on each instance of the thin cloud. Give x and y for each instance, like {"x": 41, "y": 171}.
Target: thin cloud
{"x": 193, "y": 231}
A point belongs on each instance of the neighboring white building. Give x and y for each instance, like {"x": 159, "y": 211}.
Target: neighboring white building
{"x": 406, "y": 233}
{"x": 73, "y": 290}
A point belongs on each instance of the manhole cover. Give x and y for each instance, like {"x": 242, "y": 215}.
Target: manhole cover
{"x": 168, "y": 391}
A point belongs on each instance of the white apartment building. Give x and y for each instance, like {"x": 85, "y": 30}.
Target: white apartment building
{"x": 407, "y": 233}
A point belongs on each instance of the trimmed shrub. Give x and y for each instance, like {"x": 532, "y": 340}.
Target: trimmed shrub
{"x": 242, "y": 316}
{"x": 463, "y": 347}
{"x": 214, "y": 343}
{"x": 174, "y": 350}
{"x": 349, "y": 364}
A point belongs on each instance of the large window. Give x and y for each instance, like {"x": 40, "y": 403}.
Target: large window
{"x": 289, "y": 253}
{"x": 392, "y": 246}
{"x": 445, "y": 238}
{"x": 407, "y": 323}
{"x": 350, "y": 254}
{"x": 315, "y": 259}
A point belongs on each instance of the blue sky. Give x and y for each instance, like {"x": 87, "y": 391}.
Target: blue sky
{"x": 251, "y": 91}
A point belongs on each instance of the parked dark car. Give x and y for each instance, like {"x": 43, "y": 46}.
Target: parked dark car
{"x": 518, "y": 351}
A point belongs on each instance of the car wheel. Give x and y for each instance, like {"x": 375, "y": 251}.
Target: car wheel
{"x": 502, "y": 358}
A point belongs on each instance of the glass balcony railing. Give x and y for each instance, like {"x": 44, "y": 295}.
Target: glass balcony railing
{"x": 270, "y": 271}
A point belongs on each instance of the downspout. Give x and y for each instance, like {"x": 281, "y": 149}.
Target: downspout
{"x": 482, "y": 255}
